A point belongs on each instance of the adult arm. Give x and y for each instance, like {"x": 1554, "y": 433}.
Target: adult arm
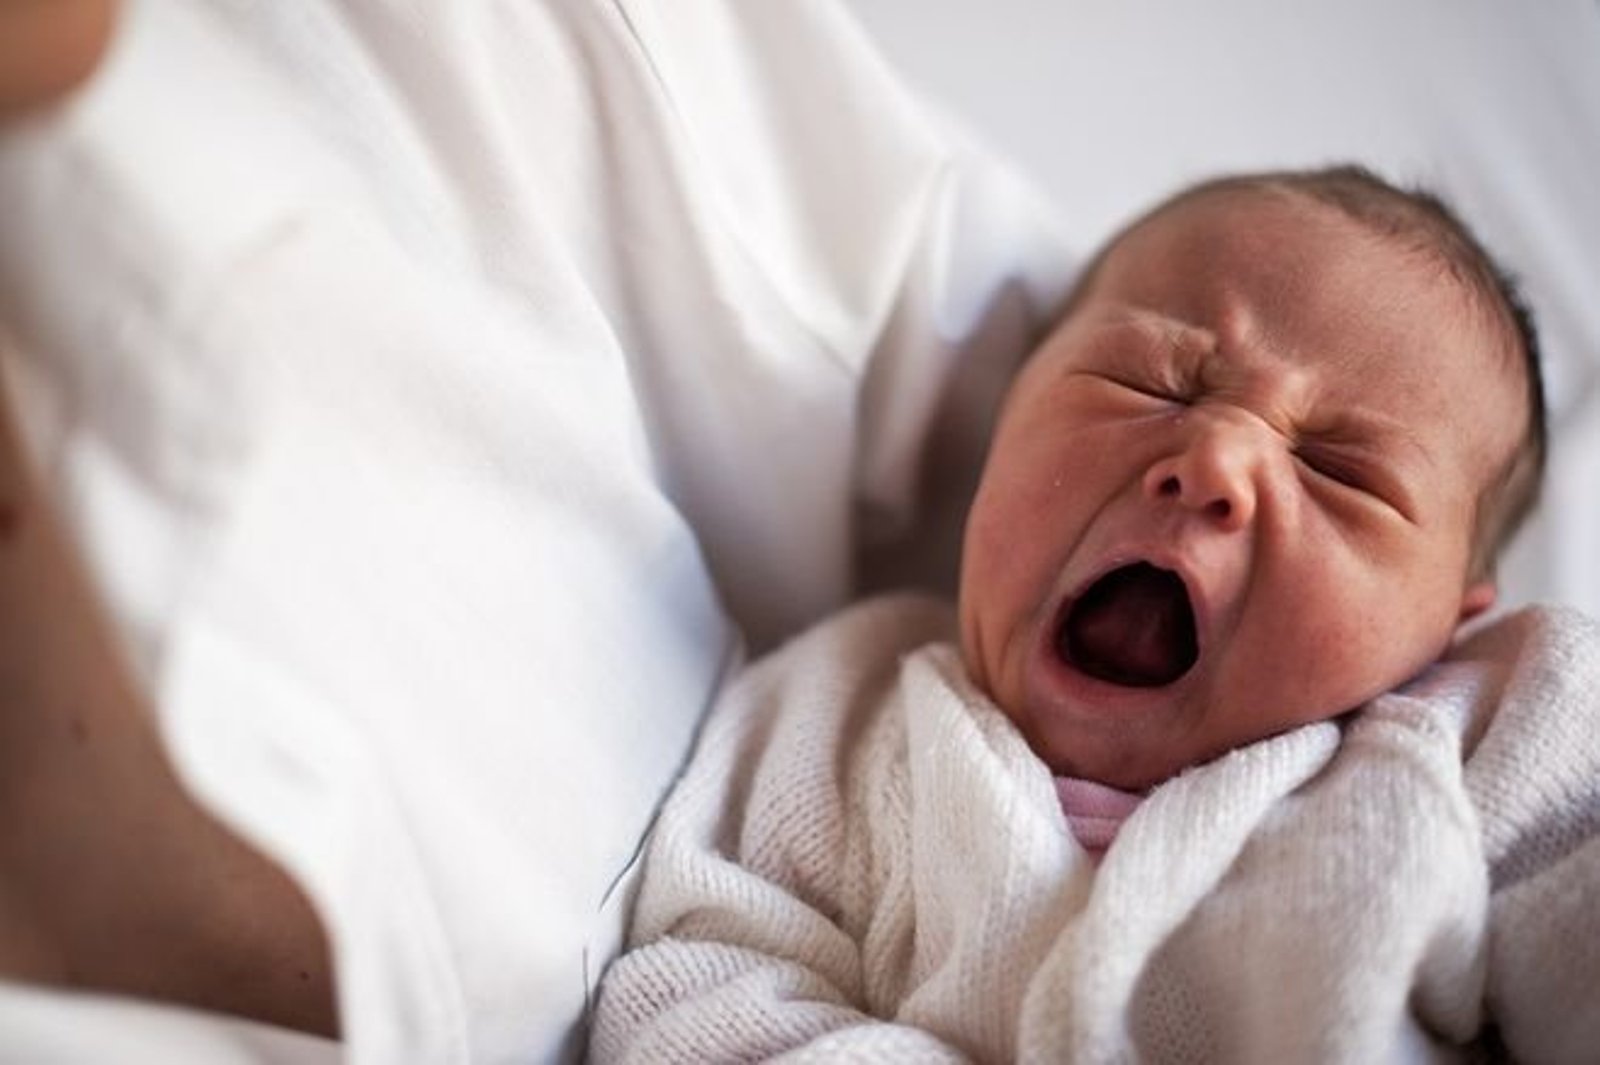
{"x": 112, "y": 877}
{"x": 47, "y": 47}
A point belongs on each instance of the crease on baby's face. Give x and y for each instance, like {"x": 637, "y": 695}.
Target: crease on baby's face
{"x": 1149, "y": 274}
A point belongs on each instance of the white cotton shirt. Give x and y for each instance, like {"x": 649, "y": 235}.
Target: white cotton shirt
{"x": 440, "y": 394}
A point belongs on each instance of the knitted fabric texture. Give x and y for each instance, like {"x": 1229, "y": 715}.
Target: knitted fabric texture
{"x": 866, "y": 860}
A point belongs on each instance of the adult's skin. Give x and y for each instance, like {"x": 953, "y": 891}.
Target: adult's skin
{"x": 112, "y": 878}
{"x": 47, "y": 47}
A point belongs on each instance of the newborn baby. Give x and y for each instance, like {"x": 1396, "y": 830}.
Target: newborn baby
{"x": 1255, "y": 478}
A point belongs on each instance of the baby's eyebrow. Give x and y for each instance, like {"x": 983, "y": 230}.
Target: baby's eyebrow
{"x": 1169, "y": 330}
{"x": 1167, "y": 337}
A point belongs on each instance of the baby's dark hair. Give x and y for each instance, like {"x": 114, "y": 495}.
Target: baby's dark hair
{"x": 1425, "y": 224}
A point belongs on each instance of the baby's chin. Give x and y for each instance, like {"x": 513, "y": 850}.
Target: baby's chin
{"x": 1133, "y": 771}
{"x": 1131, "y": 739}
{"x": 1130, "y": 756}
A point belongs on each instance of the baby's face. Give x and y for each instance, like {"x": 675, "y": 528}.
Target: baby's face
{"x": 1234, "y": 492}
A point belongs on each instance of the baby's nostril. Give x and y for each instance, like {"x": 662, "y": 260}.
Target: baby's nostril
{"x": 1220, "y": 509}
{"x": 1170, "y": 486}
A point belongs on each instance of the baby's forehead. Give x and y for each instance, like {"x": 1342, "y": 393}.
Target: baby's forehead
{"x": 1381, "y": 306}
{"x": 1214, "y": 218}
{"x": 1294, "y": 252}
{"x": 1200, "y": 240}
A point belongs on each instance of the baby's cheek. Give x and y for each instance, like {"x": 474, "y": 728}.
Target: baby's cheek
{"x": 1378, "y": 648}
{"x": 995, "y": 580}
{"x": 1005, "y": 576}
{"x": 1009, "y": 528}
{"x": 1331, "y": 652}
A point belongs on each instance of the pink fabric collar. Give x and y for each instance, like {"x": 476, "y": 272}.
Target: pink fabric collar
{"x": 1094, "y": 811}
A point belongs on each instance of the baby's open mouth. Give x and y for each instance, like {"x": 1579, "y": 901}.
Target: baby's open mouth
{"x": 1133, "y": 627}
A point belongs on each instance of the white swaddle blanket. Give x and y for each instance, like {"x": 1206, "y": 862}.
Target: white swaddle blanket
{"x": 867, "y": 858}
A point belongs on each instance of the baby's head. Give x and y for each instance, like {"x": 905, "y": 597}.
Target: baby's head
{"x": 1257, "y": 475}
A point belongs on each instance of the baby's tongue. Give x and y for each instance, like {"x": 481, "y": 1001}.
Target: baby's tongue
{"x": 1134, "y": 627}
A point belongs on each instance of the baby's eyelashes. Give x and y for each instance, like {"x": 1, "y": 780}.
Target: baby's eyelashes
{"x": 1355, "y": 477}
{"x": 1164, "y": 388}
{"x": 1335, "y": 468}
{"x": 1165, "y": 393}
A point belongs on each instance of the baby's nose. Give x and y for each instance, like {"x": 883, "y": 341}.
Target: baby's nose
{"x": 1215, "y": 474}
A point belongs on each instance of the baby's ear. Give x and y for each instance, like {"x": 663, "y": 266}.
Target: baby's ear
{"x": 1478, "y": 597}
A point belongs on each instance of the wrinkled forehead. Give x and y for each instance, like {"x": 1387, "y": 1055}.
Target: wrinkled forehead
{"x": 1274, "y": 270}
{"x": 1279, "y": 245}
{"x": 1274, "y": 275}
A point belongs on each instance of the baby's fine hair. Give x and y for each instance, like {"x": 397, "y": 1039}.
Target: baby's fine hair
{"x": 1424, "y": 223}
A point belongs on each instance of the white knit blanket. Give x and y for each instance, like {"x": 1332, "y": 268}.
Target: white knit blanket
{"x": 866, "y": 861}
